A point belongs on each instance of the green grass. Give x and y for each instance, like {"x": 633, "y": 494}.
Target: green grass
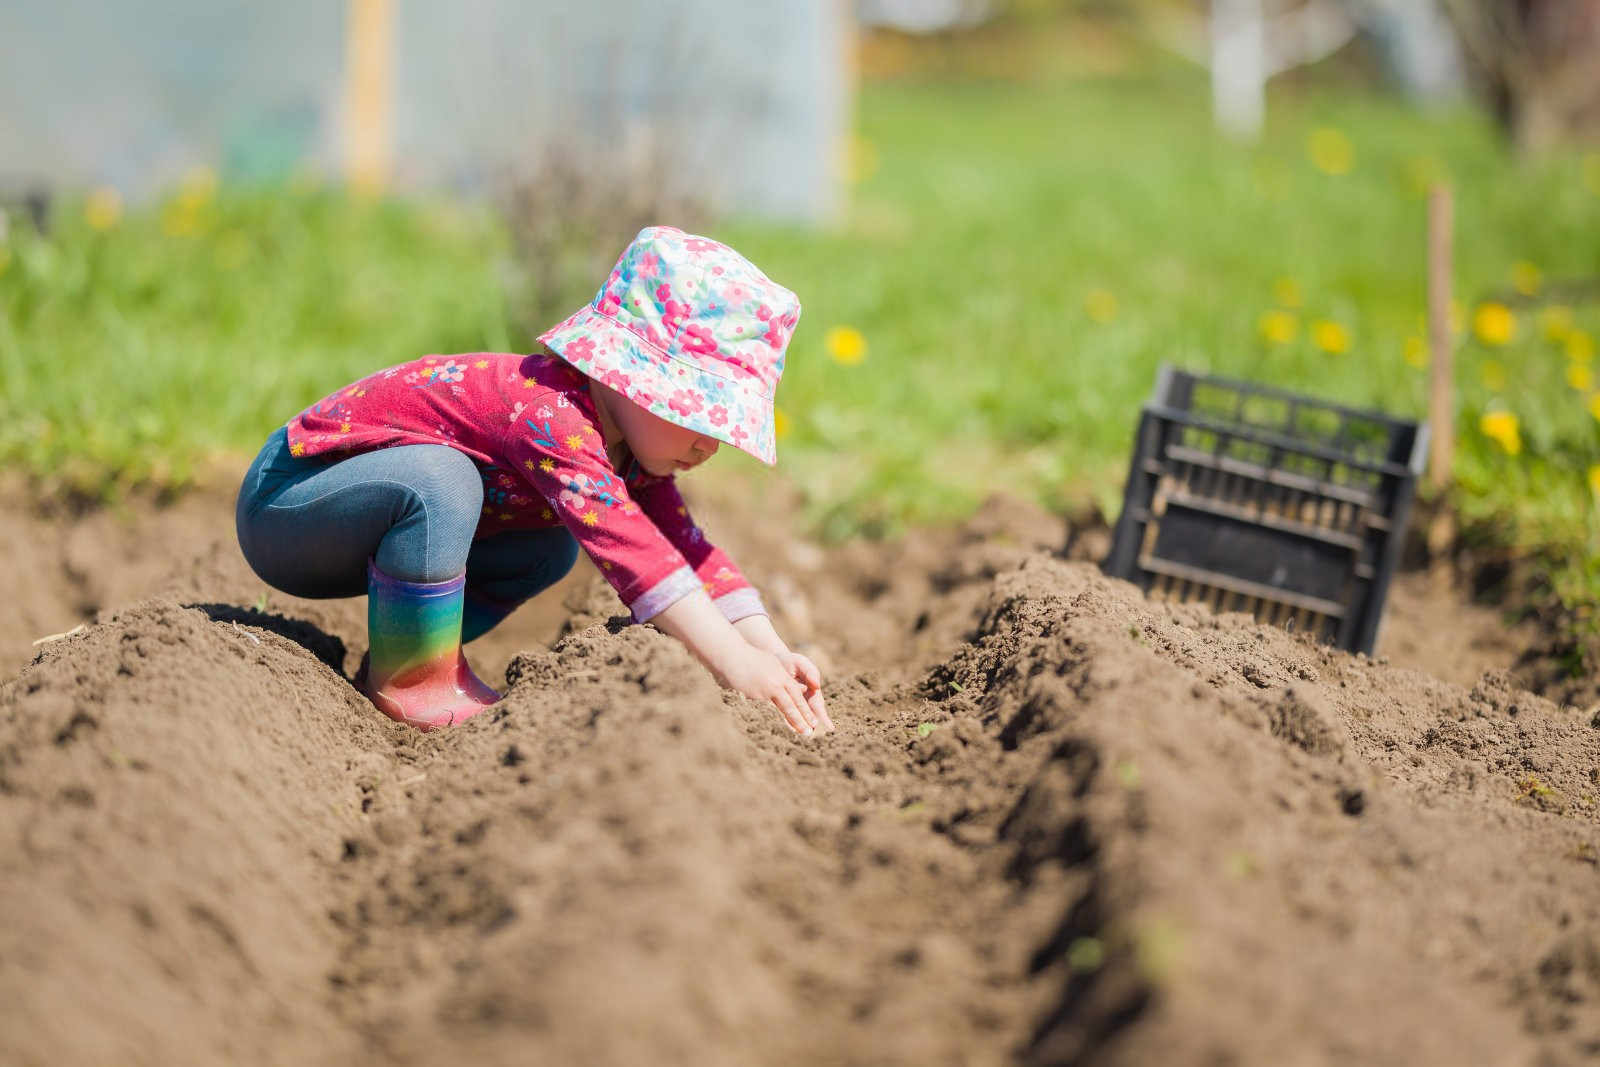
{"x": 192, "y": 327}
{"x": 997, "y": 209}
{"x": 992, "y": 212}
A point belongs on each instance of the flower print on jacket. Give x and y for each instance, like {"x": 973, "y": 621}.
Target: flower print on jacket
{"x": 448, "y": 373}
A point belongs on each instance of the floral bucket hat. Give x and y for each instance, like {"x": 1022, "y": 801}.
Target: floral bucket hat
{"x": 692, "y": 332}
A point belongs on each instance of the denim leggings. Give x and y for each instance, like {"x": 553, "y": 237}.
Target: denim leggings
{"x": 307, "y": 526}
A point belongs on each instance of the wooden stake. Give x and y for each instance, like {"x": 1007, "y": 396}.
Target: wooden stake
{"x": 369, "y": 92}
{"x": 1442, "y": 408}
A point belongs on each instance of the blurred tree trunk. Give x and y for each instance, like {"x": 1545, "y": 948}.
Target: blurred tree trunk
{"x": 1538, "y": 62}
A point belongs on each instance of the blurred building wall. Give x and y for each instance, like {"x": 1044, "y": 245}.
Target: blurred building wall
{"x": 746, "y": 101}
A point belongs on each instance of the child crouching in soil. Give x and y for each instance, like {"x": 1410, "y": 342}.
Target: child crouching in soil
{"x": 451, "y": 489}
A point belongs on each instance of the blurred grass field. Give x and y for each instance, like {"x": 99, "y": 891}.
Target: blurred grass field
{"x": 1016, "y": 260}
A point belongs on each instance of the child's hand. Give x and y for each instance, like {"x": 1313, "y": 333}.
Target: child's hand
{"x": 760, "y": 675}
{"x": 803, "y": 670}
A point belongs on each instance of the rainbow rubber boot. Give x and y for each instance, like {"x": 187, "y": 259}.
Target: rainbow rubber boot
{"x": 415, "y": 672}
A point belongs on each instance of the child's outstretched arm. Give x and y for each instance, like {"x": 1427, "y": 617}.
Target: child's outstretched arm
{"x": 737, "y": 663}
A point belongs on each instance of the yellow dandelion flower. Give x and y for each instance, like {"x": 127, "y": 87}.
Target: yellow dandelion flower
{"x": 197, "y": 188}
{"x": 297, "y": 449}
{"x": 1286, "y": 291}
{"x": 1331, "y": 151}
{"x": 103, "y": 209}
{"x": 1494, "y": 324}
{"x": 1416, "y": 351}
{"x": 1330, "y": 336}
{"x": 178, "y": 221}
{"x": 1278, "y": 327}
{"x": 846, "y": 345}
{"x": 1493, "y": 375}
{"x": 780, "y": 423}
{"x": 1594, "y": 479}
{"x": 1579, "y": 347}
{"x": 1100, "y": 305}
{"x": 1555, "y": 322}
{"x": 1501, "y": 427}
{"x": 591, "y": 519}
{"x": 1526, "y": 277}
{"x": 1580, "y": 376}
{"x": 574, "y": 441}
{"x": 546, "y": 465}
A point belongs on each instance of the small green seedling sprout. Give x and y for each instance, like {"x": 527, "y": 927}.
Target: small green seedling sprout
{"x": 261, "y": 602}
{"x": 1086, "y": 954}
{"x": 1531, "y": 786}
{"x": 926, "y": 728}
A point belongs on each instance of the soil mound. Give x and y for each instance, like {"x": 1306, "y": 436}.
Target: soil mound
{"x": 1058, "y": 824}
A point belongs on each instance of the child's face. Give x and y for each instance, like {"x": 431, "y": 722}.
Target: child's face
{"x": 661, "y": 447}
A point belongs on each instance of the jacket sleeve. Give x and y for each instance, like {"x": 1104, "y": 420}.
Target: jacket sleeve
{"x": 717, "y": 574}
{"x": 560, "y": 454}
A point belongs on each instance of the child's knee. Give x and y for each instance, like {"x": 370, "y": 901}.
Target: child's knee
{"x": 446, "y": 479}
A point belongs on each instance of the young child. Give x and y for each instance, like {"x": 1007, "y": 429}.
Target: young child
{"x": 451, "y": 489}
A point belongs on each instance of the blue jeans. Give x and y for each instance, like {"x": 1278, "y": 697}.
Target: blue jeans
{"x": 307, "y": 526}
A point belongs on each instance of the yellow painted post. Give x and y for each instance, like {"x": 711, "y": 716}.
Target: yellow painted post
{"x": 368, "y": 92}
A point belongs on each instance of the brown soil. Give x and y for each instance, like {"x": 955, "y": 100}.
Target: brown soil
{"x": 1058, "y": 823}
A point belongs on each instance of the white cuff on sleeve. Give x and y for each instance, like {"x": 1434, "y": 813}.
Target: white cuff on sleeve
{"x": 741, "y": 603}
{"x": 665, "y": 593}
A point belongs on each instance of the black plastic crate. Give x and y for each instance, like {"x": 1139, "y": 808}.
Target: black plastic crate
{"x": 1261, "y": 500}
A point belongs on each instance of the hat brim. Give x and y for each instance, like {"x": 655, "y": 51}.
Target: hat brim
{"x": 669, "y": 388}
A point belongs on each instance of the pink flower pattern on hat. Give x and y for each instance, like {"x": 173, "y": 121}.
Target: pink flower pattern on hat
{"x": 690, "y": 330}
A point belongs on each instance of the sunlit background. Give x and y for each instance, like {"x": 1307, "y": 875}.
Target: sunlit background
{"x": 1001, "y": 216}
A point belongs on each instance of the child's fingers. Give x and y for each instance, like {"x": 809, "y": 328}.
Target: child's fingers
{"x": 807, "y": 670}
{"x": 791, "y": 702}
{"x": 819, "y": 708}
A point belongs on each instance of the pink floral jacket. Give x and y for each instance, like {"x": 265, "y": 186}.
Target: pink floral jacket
{"x": 529, "y": 424}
